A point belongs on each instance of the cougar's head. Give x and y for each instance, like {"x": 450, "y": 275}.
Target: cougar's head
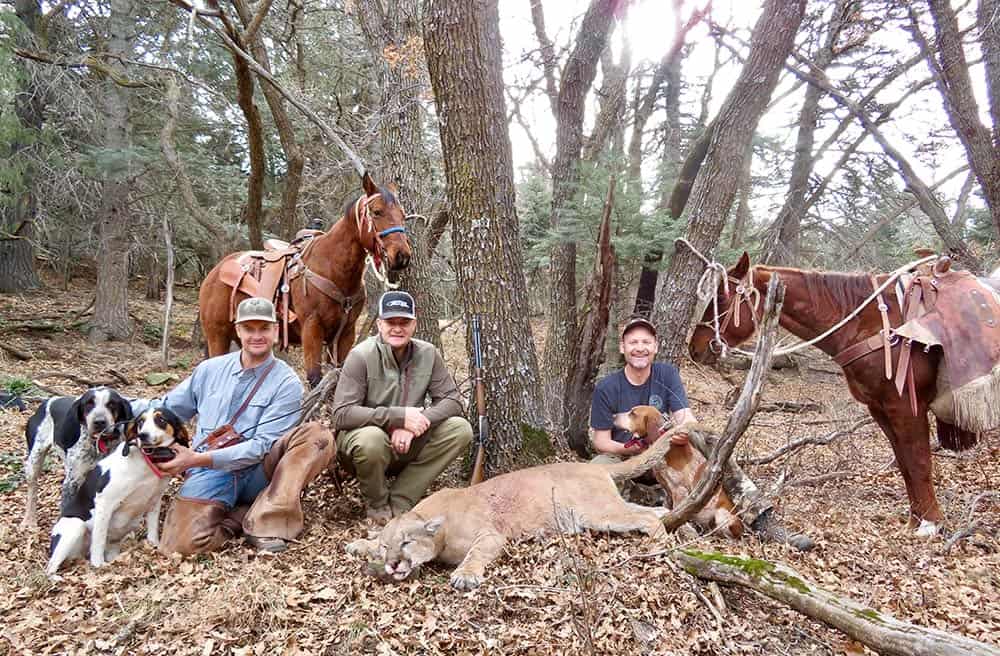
{"x": 406, "y": 543}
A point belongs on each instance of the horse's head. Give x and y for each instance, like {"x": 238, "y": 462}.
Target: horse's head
{"x": 735, "y": 310}
{"x": 381, "y": 225}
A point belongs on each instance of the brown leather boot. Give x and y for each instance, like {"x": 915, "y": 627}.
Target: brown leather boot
{"x": 197, "y": 526}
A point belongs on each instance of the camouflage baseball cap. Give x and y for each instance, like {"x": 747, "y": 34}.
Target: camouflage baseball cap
{"x": 256, "y": 309}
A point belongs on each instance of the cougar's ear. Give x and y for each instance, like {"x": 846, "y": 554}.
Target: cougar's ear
{"x": 432, "y": 525}
{"x": 741, "y": 267}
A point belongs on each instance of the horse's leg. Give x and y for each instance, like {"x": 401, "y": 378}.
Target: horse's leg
{"x": 218, "y": 341}
{"x": 312, "y": 350}
{"x": 910, "y": 439}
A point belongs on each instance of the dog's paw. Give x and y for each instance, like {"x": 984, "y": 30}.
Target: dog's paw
{"x": 360, "y": 548}
{"x": 465, "y": 580}
{"x": 98, "y": 562}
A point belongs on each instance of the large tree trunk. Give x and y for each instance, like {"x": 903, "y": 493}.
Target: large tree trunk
{"x": 114, "y": 218}
{"x": 405, "y": 160}
{"x": 952, "y": 75}
{"x": 577, "y": 78}
{"x": 294, "y": 158}
{"x": 17, "y": 221}
{"x": 782, "y": 245}
{"x": 715, "y": 186}
{"x": 462, "y": 42}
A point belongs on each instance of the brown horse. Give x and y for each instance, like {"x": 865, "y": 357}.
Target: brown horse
{"x": 815, "y": 302}
{"x": 327, "y": 293}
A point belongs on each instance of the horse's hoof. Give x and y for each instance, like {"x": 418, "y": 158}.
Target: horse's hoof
{"x": 927, "y": 529}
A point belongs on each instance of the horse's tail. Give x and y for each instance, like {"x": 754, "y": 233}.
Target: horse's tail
{"x": 645, "y": 461}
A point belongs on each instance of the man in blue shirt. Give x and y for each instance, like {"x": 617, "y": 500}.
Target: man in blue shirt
{"x": 247, "y": 468}
{"x": 641, "y": 382}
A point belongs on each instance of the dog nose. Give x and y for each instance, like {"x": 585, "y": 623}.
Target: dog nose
{"x": 100, "y": 424}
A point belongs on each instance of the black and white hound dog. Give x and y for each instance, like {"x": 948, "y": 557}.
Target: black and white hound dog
{"x": 80, "y": 429}
{"x": 125, "y": 486}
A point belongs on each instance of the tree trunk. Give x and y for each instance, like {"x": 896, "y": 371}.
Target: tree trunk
{"x": 782, "y": 245}
{"x": 715, "y": 186}
{"x": 589, "y": 350}
{"x": 405, "y": 160}
{"x": 114, "y": 218}
{"x": 743, "y": 215}
{"x": 17, "y": 221}
{"x": 294, "y": 159}
{"x": 952, "y": 75}
{"x": 462, "y": 43}
{"x": 576, "y": 81}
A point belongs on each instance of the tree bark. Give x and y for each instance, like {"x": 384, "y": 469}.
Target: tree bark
{"x": 882, "y": 633}
{"x": 294, "y": 158}
{"x": 952, "y": 76}
{"x": 405, "y": 160}
{"x": 782, "y": 244}
{"x": 577, "y": 78}
{"x": 589, "y": 350}
{"x": 114, "y": 218}
{"x": 17, "y": 221}
{"x": 715, "y": 187}
{"x": 462, "y": 44}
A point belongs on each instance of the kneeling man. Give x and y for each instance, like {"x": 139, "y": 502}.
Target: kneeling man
{"x": 247, "y": 467}
{"x": 379, "y": 409}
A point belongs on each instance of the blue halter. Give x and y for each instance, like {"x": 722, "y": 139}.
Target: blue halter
{"x": 389, "y": 231}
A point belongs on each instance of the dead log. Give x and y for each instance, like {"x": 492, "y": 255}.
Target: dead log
{"x": 878, "y": 631}
{"x": 740, "y": 418}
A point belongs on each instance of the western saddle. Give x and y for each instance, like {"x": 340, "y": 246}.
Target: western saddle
{"x": 270, "y": 273}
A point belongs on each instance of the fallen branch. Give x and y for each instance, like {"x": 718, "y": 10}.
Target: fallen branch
{"x": 880, "y": 632}
{"x": 743, "y": 412}
{"x": 76, "y": 379}
{"x": 17, "y": 353}
{"x": 119, "y": 376}
{"x": 807, "y": 481}
{"x": 819, "y": 440}
{"x": 972, "y": 526}
{"x": 790, "y": 406}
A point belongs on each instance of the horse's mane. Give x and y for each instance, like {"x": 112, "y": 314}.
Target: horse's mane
{"x": 842, "y": 291}
{"x": 387, "y": 196}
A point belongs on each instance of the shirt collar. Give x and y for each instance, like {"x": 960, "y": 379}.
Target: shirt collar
{"x": 238, "y": 368}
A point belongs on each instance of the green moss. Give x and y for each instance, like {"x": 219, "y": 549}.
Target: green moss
{"x": 793, "y": 582}
{"x": 751, "y": 566}
{"x": 536, "y": 443}
{"x": 869, "y": 615}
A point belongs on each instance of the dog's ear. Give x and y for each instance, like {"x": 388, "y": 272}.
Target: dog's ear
{"x": 180, "y": 434}
{"x": 123, "y": 409}
{"x": 77, "y": 407}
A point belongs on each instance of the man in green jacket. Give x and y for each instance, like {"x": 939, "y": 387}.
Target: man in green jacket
{"x": 398, "y": 412}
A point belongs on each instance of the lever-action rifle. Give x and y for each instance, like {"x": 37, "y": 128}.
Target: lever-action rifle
{"x": 479, "y": 464}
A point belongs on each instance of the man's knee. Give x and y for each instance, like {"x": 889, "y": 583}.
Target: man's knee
{"x": 367, "y": 443}
{"x": 457, "y": 430}
{"x": 198, "y": 526}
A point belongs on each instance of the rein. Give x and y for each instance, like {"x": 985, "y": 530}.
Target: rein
{"x": 718, "y": 341}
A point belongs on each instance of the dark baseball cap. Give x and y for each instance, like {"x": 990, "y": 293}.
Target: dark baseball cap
{"x": 396, "y": 304}
{"x": 636, "y": 322}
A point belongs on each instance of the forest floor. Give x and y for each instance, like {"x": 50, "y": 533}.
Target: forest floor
{"x": 589, "y": 594}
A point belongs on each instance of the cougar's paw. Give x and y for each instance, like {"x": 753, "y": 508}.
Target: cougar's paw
{"x": 360, "y": 548}
{"x": 465, "y": 580}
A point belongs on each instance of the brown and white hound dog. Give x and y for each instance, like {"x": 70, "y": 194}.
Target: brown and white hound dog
{"x": 682, "y": 467}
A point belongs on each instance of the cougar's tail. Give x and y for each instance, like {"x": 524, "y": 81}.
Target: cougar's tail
{"x": 646, "y": 460}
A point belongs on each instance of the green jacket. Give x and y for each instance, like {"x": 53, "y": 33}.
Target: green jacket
{"x": 373, "y": 390}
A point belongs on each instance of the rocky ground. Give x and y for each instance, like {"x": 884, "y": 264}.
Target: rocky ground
{"x": 591, "y": 594}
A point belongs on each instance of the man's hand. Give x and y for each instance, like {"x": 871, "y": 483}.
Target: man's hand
{"x": 400, "y": 440}
{"x": 184, "y": 459}
{"x": 415, "y": 421}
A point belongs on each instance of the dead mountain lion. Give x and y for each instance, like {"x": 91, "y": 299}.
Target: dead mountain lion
{"x": 470, "y": 526}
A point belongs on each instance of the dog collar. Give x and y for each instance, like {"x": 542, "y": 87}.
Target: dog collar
{"x": 152, "y": 466}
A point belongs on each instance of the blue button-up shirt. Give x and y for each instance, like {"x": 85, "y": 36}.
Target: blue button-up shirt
{"x": 217, "y": 388}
